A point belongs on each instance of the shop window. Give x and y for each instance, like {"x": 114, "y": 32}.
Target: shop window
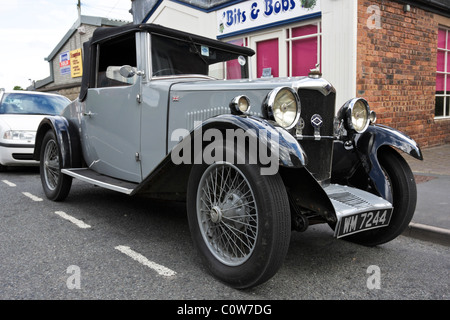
{"x": 304, "y": 46}
{"x": 288, "y": 51}
{"x": 267, "y": 58}
{"x": 443, "y": 74}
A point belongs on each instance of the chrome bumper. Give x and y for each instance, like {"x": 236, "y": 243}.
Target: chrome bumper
{"x": 350, "y": 202}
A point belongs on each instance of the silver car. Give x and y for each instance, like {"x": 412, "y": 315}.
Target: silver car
{"x": 176, "y": 116}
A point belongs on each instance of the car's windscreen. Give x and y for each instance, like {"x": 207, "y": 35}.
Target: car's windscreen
{"x": 21, "y": 103}
{"x": 176, "y": 57}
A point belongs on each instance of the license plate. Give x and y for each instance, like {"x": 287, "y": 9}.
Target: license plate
{"x": 363, "y": 221}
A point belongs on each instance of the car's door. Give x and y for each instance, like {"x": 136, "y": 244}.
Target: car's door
{"x": 111, "y": 120}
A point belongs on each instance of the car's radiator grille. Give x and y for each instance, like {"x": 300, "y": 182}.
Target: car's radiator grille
{"x": 318, "y": 148}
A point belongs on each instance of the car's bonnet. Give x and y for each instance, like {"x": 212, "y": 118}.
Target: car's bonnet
{"x": 21, "y": 121}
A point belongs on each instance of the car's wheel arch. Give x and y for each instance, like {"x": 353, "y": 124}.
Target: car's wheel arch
{"x": 68, "y": 140}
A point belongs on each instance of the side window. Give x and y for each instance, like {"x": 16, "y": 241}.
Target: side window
{"x": 112, "y": 55}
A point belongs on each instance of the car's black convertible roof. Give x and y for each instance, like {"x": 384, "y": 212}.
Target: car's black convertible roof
{"x": 106, "y": 33}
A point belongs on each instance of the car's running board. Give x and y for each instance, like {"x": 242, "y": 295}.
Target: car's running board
{"x": 357, "y": 210}
{"x": 90, "y": 176}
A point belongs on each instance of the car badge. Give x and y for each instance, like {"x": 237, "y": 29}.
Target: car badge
{"x": 175, "y": 98}
{"x": 317, "y": 122}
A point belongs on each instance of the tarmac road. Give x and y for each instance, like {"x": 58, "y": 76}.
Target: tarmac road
{"x": 110, "y": 246}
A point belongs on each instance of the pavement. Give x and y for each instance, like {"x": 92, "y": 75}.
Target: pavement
{"x": 431, "y": 220}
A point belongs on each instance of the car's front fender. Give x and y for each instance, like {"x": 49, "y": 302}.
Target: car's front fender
{"x": 275, "y": 139}
{"x": 67, "y": 138}
{"x": 368, "y": 145}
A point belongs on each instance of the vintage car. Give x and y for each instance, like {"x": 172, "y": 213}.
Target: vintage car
{"x": 172, "y": 115}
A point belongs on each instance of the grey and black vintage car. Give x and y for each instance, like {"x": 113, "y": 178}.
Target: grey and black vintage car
{"x": 173, "y": 115}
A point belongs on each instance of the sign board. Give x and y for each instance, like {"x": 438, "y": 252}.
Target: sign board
{"x": 248, "y": 16}
{"x": 64, "y": 62}
{"x": 76, "y": 63}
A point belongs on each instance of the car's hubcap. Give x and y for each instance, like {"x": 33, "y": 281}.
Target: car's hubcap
{"x": 227, "y": 213}
{"x": 216, "y": 214}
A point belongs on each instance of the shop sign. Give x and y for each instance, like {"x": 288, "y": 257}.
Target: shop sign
{"x": 64, "y": 63}
{"x": 76, "y": 63}
{"x": 250, "y": 15}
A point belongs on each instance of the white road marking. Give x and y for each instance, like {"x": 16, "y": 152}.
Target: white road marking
{"x": 75, "y": 221}
{"x": 9, "y": 183}
{"x": 32, "y": 197}
{"x": 141, "y": 259}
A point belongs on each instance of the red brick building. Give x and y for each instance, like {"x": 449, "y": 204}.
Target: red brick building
{"x": 397, "y": 68}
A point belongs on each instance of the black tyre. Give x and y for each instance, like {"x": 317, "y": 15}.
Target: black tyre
{"x": 240, "y": 222}
{"x": 56, "y": 184}
{"x": 403, "y": 195}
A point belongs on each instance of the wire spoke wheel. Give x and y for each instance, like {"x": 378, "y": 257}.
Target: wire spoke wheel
{"x": 239, "y": 221}
{"x": 227, "y": 213}
{"x": 51, "y": 164}
{"x": 56, "y": 185}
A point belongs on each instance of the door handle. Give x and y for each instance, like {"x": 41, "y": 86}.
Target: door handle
{"x": 88, "y": 114}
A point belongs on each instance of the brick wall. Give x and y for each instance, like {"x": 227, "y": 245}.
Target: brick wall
{"x": 396, "y": 69}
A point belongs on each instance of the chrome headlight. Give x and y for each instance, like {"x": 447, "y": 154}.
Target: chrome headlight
{"x": 283, "y": 106}
{"x": 357, "y": 115}
{"x": 240, "y": 105}
{"x": 19, "y": 135}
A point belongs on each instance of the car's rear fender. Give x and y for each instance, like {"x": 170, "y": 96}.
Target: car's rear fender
{"x": 68, "y": 140}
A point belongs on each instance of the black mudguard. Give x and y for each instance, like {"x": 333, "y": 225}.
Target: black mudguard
{"x": 364, "y": 152}
{"x": 68, "y": 140}
{"x": 291, "y": 154}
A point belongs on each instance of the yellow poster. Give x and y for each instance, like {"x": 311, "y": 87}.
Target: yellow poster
{"x": 76, "y": 63}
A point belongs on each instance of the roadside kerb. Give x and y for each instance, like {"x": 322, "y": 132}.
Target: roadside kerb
{"x": 434, "y": 166}
{"x": 428, "y": 233}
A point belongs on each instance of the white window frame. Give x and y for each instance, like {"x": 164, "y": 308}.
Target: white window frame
{"x": 317, "y": 35}
{"x": 446, "y": 73}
